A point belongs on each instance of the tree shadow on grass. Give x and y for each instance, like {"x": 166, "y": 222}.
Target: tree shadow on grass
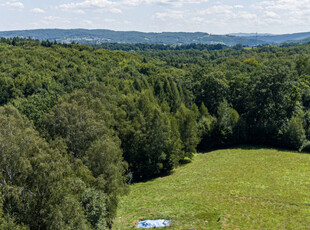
{"x": 241, "y": 147}
{"x": 280, "y": 149}
{"x": 148, "y": 179}
{"x": 185, "y": 161}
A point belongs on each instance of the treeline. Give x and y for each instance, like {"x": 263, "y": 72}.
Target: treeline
{"x": 17, "y": 41}
{"x": 147, "y": 47}
{"x": 265, "y": 91}
{"x": 78, "y": 124}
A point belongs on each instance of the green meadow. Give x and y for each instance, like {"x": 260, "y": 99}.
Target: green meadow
{"x": 237, "y": 188}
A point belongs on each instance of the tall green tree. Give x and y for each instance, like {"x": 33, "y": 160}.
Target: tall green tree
{"x": 295, "y": 135}
{"x": 36, "y": 180}
{"x": 188, "y": 128}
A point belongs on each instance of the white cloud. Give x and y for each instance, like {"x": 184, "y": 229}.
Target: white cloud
{"x": 51, "y": 20}
{"x": 38, "y": 10}
{"x": 88, "y": 4}
{"x": 272, "y": 14}
{"x": 114, "y": 6}
{"x": 283, "y": 5}
{"x": 79, "y": 11}
{"x": 198, "y": 19}
{"x": 286, "y": 4}
{"x": 87, "y": 22}
{"x": 132, "y": 2}
{"x": 115, "y": 10}
{"x": 239, "y": 6}
{"x": 174, "y": 3}
{"x": 227, "y": 10}
{"x": 246, "y": 15}
{"x": 285, "y": 12}
{"x": 96, "y": 5}
{"x": 218, "y": 9}
{"x": 109, "y": 20}
{"x": 169, "y": 14}
{"x": 17, "y": 5}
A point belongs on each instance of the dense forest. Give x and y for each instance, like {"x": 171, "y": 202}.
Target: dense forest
{"x": 80, "y": 123}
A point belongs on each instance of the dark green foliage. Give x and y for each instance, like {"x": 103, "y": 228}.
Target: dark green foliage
{"x": 147, "y": 134}
{"x": 206, "y": 126}
{"x": 213, "y": 90}
{"x": 75, "y": 122}
{"x": 36, "y": 179}
{"x": 295, "y": 135}
{"x": 81, "y": 122}
{"x": 226, "y": 124}
{"x": 303, "y": 65}
{"x": 6, "y": 221}
{"x": 35, "y": 106}
{"x": 274, "y": 98}
{"x": 94, "y": 202}
{"x": 265, "y": 86}
{"x": 188, "y": 128}
{"x": 148, "y": 47}
{"x": 167, "y": 90}
{"x": 104, "y": 159}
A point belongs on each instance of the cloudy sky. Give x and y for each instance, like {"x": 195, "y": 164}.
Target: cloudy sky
{"x": 217, "y": 17}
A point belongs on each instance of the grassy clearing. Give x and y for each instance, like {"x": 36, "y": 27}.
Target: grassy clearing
{"x": 239, "y": 188}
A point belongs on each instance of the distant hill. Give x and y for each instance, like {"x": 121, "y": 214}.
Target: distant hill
{"x": 170, "y": 38}
{"x": 248, "y": 34}
{"x": 101, "y": 36}
{"x": 303, "y": 41}
{"x": 278, "y": 39}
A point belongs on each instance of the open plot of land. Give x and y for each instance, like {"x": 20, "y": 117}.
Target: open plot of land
{"x": 238, "y": 188}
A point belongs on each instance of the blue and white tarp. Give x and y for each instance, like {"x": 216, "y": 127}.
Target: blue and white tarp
{"x": 154, "y": 224}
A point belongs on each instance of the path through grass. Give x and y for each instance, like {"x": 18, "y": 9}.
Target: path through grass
{"x": 240, "y": 188}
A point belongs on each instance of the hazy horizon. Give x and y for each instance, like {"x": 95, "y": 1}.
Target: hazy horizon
{"x": 262, "y": 33}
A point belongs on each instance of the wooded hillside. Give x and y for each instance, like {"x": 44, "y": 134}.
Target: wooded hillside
{"x": 80, "y": 123}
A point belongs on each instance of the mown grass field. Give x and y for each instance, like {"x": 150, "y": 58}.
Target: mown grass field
{"x": 238, "y": 188}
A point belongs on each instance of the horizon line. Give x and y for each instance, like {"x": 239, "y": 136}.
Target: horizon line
{"x": 149, "y": 32}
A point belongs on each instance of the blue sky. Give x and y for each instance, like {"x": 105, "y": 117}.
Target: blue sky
{"x": 217, "y": 17}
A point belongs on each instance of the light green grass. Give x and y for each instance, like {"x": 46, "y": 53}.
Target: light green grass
{"x": 240, "y": 188}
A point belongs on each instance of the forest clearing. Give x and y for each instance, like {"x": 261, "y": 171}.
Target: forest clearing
{"x": 238, "y": 188}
